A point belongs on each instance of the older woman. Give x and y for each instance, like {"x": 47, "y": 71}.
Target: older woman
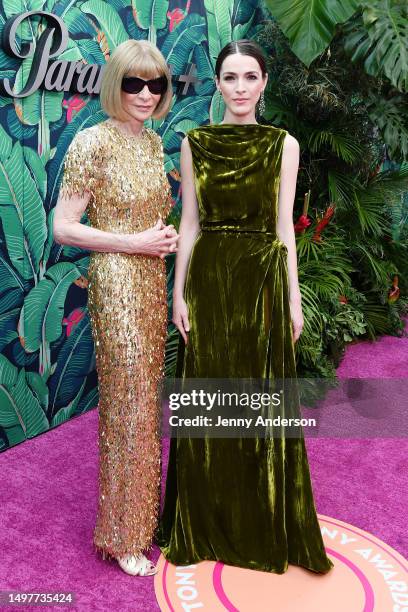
{"x": 114, "y": 171}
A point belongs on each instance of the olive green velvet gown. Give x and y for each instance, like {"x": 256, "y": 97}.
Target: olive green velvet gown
{"x": 247, "y": 502}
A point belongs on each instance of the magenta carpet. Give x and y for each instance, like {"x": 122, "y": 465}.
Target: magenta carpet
{"x": 49, "y": 494}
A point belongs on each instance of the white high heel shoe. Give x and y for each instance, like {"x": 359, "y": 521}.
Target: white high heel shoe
{"x": 137, "y": 566}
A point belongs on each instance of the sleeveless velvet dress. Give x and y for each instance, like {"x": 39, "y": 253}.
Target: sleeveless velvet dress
{"x": 247, "y": 502}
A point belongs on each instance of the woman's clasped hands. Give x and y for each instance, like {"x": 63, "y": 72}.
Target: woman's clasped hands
{"x": 157, "y": 241}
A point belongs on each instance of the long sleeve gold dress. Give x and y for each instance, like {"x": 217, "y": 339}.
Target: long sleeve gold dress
{"x": 128, "y": 311}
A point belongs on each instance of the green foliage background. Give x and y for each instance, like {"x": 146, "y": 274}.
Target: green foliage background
{"x": 338, "y": 81}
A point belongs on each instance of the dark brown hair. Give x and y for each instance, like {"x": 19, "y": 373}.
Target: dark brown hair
{"x": 245, "y": 46}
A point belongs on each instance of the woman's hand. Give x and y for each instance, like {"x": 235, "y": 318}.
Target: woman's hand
{"x": 297, "y": 318}
{"x": 180, "y": 317}
{"x": 157, "y": 241}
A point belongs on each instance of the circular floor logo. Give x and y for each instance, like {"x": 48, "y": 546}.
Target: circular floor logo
{"x": 368, "y": 576}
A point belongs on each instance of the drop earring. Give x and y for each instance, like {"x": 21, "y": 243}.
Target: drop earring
{"x": 262, "y": 103}
{"x": 220, "y": 113}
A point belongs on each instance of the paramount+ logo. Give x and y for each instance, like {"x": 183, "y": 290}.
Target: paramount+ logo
{"x": 57, "y": 74}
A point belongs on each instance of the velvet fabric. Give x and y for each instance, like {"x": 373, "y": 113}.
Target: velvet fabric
{"x": 244, "y": 501}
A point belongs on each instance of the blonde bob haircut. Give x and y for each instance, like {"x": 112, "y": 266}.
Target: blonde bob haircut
{"x": 133, "y": 58}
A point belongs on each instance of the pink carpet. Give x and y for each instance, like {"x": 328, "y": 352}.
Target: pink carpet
{"x": 49, "y": 495}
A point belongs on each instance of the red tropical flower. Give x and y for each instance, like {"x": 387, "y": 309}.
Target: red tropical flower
{"x": 302, "y": 223}
{"x": 394, "y": 292}
{"x": 73, "y": 106}
{"x": 73, "y": 319}
{"x": 177, "y": 15}
{"x": 323, "y": 222}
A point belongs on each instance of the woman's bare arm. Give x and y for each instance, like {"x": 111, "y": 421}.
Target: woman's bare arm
{"x": 189, "y": 224}
{"x": 68, "y": 229}
{"x": 189, "y": 229}
{"x": 285, "y": 229}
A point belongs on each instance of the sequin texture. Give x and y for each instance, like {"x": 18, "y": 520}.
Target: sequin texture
{"x": 127, "y": 304}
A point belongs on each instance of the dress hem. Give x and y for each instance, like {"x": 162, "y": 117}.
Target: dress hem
{"x": 252, "y": 567}
{"x": 111, "y": 555}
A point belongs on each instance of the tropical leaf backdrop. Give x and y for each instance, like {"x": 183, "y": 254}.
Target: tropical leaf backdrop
{"x": 338, "y": 82}
{"x": 47, "y": 365}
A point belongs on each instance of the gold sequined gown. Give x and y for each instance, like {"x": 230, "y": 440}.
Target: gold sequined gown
{"x": 128, "y": 310}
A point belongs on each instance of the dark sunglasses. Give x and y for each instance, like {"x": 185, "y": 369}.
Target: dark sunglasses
{"x": 135, "y": 85}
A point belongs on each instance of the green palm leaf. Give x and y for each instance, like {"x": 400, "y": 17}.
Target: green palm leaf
{"x": 219, "y": 16}
{"x": 309, "y": 345}
{"x": 38, "y": 387}
{"x": 44, "y": 306}
{"x": 151, "y": 15}
{"x": 19, "y": 407}
{"x": 34, "y": 417}
{"x": 8, "y": 372}
{"x": 341, "y": 186}
{"x": 344, "y": 146}
{"x": 243, "y": 11}
{"x": 185, "y": 126}
{"x": 332, "y": 252}
{"x": 36, "y": 165}
{"x": 278, "y": 110}
{"x": 194, "y": 108}
{"x": 8, "y": 327}
{"x": 89, "y": 401}
{"x": 378, "y": 269}
{"x": 325, "y": 282}
{"x": 50, "y": 236}
{"x": 77, "y": 23}
{"x": 241, "y": 29}
{"x": 392, "y": 183}
{"x": 179, "y": 45}
{"x": 21, "y": 210}
{"x": 376, "y": 317}
{"x": 41, "y": 104}
{"x": 313, "y": 321}
{"x": 67, "y": 412}
{"x": 390, "y": 115}
{"x": 205, "y": 70}
{"x": 310, "y": 24}
{"x": 380, "y": 38}
{"x": 109, "y": 20}
{"x": 73, "y": 366}
{"x": 11, "y": 287}
{"x": 379, "y": 195}
{"x": 369, "y": 213}
{"x": 217, "y": 107}
{"x": 172, "y": 344}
